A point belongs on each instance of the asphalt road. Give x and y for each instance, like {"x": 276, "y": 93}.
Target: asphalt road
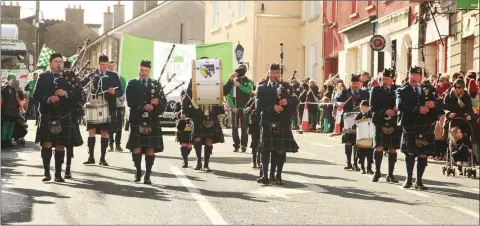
{"x": 317, "y": 190}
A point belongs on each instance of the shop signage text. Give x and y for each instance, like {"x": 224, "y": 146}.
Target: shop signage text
{"x": 394, "y": 22}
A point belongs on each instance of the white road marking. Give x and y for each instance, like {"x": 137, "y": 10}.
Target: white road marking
{"x": 476, "y": 189}
{"x": 204, "y": 204}
{"x": 13, "y": 193}
{"x": 412, "y": 191}
{"x": 469, "y": 212}
{"x": 411, "y": 217}
{"x": 321, "y": 145}
{"x": 274, "y": 210}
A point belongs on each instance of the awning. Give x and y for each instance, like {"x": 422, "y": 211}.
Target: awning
{"x": 358, "y": 24}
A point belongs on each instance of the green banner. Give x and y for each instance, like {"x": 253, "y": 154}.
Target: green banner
{"x": 222, "y": 51}
{"x": 133, "y": 51}
{"x": 467, "y": 4}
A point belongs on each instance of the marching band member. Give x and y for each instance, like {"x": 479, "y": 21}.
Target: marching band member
{"x": 275, "y": 103}
{"x": 254, "y": 130}
{"x": 363, "y": 153}
{"x": 146, "y": 101}
{"x": 102, "y": 80}
{"x": 75, "y": 107}
{"x": 348, "y": 100}
{"x": 387, "y": 134}
{"x": 56, "y": 127}
{"x": 418, "y": 111}
{"x": 206, "y": 128}
{"x": 120, "y": 113}
{"x": 11, "y": 106}
{"x": 243, "y": 89}
{"x": 183, "y": 132}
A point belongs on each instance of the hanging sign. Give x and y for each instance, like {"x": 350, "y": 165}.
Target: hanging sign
{"x": 378, "y": 42}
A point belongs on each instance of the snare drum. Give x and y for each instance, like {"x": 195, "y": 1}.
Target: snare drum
{"x": 207, "y": 87}
{"x": 349, "y": 121}
{"x": 97, "y": 112}
{"x": 365, "y": 133}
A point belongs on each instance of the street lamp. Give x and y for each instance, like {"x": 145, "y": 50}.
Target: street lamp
{"x": 239, "y": 50}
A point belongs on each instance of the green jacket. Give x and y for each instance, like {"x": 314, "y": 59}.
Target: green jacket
{"x": 242, "y": 97}
{"x": 31, "y": 84}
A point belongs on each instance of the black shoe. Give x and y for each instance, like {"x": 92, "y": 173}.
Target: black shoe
{"x": 138, "y": 177}
{"x": 407, "y": 184}
{"x": 146, "y": 180}
{"x": 111, "y": 148}
{"x": 235, "y": 150}
{"x": 376, "y": 176}
{"x": 59, "y": 179}
{"x": 185, "y": 165}
{"x": 391, "y": 178}
{"x": 47, "y": 178}
{"x": 198, "y": 166}
{"x": 348, "y": 167}
{"x": 103, "y": 163}
{"x": 279, "y": 180}
{"x": 263, "y": 180}
{"x": 68, "y": 175}
{"x": 254, "y": 164}
{"x": 363, "y": 171}
{"x": 420, "y": 186}
{"x": 244, "y": 148}
{"x": 272, "y": 177}
{"x": 370, "y": 172}
{"x": 118, "y": 148}
{"x": 206, "y": 168}
{"x": 355, "y": 168}
{"x": 89, "y": 161}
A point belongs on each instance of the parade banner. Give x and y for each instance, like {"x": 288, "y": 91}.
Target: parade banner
{"x": 133, "y": 50}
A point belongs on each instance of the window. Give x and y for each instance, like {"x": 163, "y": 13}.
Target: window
{"x": 359, "y": 60}
{"x": 241, "y": 9}
{"x": 216, "y": 14}
{"x": 369, "y": 2}
{"x": 315, "y": 8}
{"x": 195, "y": 42}
{"x": 313, "y": 61}
{"x": 354, "y": 6}
{"x": 304, "y": 10}
{"x": 228, "y": 12}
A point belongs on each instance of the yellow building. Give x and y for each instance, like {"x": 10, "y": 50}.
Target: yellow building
{"x": 260, "y": 27}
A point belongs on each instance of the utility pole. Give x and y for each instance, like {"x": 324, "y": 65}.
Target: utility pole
{"x": 37, "y": 25}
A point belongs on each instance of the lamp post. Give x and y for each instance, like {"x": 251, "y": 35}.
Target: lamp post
{"x": 239, "y": 50}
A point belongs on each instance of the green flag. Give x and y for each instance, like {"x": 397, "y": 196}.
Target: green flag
{"x": 44, "y": 57}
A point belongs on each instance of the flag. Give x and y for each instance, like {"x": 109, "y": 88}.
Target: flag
{"x": 44, "y": 57}
{"x": 71, "y": 59}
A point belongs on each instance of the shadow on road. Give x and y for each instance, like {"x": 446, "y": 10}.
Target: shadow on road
{"x": 317, "y": 176}
{"x": 248, "y": 160}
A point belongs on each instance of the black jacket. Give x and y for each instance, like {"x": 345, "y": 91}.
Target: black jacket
{"x": 408, "y": 103}
{"x": 137, "y": 96}
{"x": 267, "y": 97}
{"x": 354, "y": 102}
{"x": 109, "y": 80}
{"x": 381, "y": 99}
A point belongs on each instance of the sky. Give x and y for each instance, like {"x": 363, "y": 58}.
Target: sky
{"x": 56, "y": 9}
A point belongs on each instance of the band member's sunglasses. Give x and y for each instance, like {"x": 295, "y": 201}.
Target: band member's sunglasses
{"x": 458, "y": 87}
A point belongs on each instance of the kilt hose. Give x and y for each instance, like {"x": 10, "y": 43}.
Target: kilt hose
{"x": 110, "y": 125}
{"x": 254, "y": 130}
{"x": 284, "y": 141}
{"x": 387, "y": 140}
{"x": 215, "y": 132}
{"x": 70, "y": 135}
{"x": 408, "y": 139}
{"x": 153, "y": 140}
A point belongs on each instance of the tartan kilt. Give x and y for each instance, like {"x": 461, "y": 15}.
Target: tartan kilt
{"x": 215, "y": 132}
{"x": 254, "y": 130}
{"x": 110, "y": 125}
{"x": 282, "y": 142}
{"x": 119, "y": 120}
{"x": 183, "y": 137}
{"x": 152, "y": 140}
{"x": 387, "y": 140}
{"x": 408, "y": 139}
{"x": 70, "y": 135}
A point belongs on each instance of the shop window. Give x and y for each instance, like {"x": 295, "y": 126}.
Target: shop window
{"x": 313, "y": 61}
{"x": 354, "y": 6}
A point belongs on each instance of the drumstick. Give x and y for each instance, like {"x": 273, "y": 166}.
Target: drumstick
{"x": 107, "y": 90}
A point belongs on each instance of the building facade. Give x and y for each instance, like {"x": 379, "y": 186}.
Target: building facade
{"x": 171, "y": 21}
{"x": 331, "y": 38}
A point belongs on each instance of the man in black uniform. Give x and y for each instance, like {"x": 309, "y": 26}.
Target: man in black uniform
{"x": 275, "y": 104}
{"x": 56, "y": 127}
{"x": 237, "y": 100}
{"x": 419, "y": 109}
{"x": 206, "y": 128}
{"x": 184, "y": 130}
{"x": 146, "y": 101}
{"x": 387, "y": 133}
{"x": 349, "y": 100}
{"x": 104, "y": 85}
{"x": 253, "y": 129}
{"x": 75, "y": 107}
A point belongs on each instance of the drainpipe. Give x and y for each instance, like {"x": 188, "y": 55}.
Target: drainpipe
{"x": 372, "y": 60}
{"x": 181, "y": 33}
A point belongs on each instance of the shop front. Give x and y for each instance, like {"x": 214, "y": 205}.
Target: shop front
{"x": 401, "y": 37}
{"x": 357, "y": 55}
{"x": 436, "y": 45}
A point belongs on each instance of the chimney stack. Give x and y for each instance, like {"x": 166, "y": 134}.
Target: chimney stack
{"x": 118, "y": 14}
{"x": 150, "y": 5}
{"x": 138, "y": 8}
{"x": 11, "y": 11}
{"x": 75, "y": 14}
{"x": 107, "y": 20}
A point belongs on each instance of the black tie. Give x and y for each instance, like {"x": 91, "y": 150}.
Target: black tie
{"x": 144, "y": 82}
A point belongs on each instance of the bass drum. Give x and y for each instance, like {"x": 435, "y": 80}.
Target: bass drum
{"x": 207, "y": 86}
{"x": 365, "y": 133}
{"x": 349, "y": 121}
